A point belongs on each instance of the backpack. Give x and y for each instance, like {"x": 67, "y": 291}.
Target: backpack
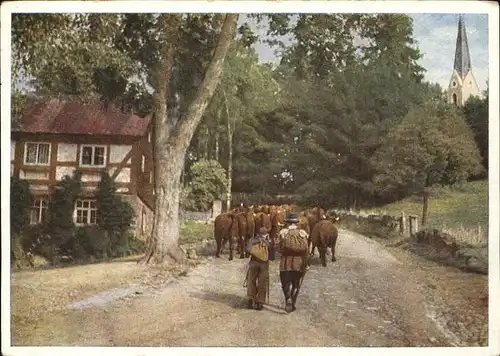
{"x": 260, "y": 251}
{"x": 295, "y": 243}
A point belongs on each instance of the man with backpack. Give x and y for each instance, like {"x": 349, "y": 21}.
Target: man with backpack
{"x": 293, "y": 245}
{"x": 258, "y": 269}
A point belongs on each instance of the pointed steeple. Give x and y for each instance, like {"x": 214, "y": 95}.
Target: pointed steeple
{"x": 462, "y": 56}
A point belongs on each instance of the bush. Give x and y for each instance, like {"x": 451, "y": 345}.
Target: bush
{"x": 35, "y": 235}
{"x": 61, "y": 225}
{"x": 89, "y": 241}
{"x": 20, "y": 197}
{"x": 115, "y": 215}
{"x": 208, "y": 183}
{"x": 18, "y": 257}
{"x": 128, "y": 246}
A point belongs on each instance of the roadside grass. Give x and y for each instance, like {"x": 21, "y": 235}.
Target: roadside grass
{"x": 41, "y": 295}
{"x": 461, "y": 212}
{"x": 192, "y": 232}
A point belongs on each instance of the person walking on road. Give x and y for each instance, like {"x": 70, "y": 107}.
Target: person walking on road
{"x": 258, "y": 269}
{"x": 293, "y": 245}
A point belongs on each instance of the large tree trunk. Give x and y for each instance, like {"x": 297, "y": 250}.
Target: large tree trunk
{"x": 205, "y": 148}
{"x": 171, "y": 143}
{"x": 165, "y": 234}
{"x": 230, "y": 158}
{"x": 217, "y": 136}
{"x": 217, "y": 146}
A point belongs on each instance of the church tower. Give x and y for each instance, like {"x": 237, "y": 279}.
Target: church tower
{"x": 462, "y": 83}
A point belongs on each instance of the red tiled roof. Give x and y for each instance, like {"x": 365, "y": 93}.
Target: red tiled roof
{"x": 60, "y": 117}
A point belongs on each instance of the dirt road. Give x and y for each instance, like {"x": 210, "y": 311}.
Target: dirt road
{"x": 366, "y": 298}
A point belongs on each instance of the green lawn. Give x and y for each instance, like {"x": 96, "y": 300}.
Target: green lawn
{"x": 466, "y": 207}
{"x": 463, "y": 210}
{"x": 191, "y": 232}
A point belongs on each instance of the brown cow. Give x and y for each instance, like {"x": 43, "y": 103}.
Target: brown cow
{"x": 265, "y": 220}
{"x": 304, "y": 224}
{"x": 226, "y": 229}
{"x": 242, "y": 233}
{"x": 251, "y": 231}
{"x": 324, "y": 236}
{"x": 277, "y": 223}
{"x": 314, "y": 215}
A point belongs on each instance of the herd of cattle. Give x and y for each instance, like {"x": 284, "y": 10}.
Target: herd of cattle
{"x": 240, "y": 224}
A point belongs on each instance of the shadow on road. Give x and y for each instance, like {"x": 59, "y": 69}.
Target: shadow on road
{"x": 316, "y": 261}
{"x": 234, "y": 301}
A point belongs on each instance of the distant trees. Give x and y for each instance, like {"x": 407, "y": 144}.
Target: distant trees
{"x": 476, "y": 114}
{"x": 207, "y": 183}
{"x": 432, "y": 145}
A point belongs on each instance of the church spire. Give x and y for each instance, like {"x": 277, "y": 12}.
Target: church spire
{"x": 462, "y": 56}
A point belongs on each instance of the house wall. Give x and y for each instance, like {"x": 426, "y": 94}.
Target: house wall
{"x": 463, "y": 88}
{"x": 469, "y": 87}
{"x": 65, "y": 158}
{"x": 455, "y": 88}
{"x": 123, "y": 163}
{"x": 144, "y": 179}
{"x": 144, "y": 217}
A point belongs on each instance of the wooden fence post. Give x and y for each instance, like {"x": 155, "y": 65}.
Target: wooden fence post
{"x": 402, "y": 224}
{"x": 413, "y": 224}
{"x": 216, "y": 208}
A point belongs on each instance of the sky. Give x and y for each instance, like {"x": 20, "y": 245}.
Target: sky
{"x": 436, "y": 36}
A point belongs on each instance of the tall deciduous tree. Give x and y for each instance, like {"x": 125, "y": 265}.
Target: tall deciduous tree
{"x": 172, "y": 139}
{"x": 246, "y": 88}
{"x": 178, "y": 57}
{"x": 433, "y": 145}
{"x": 476, "y": 112}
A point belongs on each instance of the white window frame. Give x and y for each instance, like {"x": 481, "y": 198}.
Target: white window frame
{"x": 37, "y": 151}
{"x": 88, "y": 209}
{"x": 39, "y": 204}
{"x": 93, "y": 155}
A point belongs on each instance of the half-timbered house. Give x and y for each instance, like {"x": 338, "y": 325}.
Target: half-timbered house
{"x": 55, "y": 137}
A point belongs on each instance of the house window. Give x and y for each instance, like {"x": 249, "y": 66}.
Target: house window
{"x": 454, "y": 83}
{"x": 86, "y": 211}
{"x": 93, "y": 156}
{"x": 151, "y": 177}
{"x": 37, "y": 153}
{"x": 149, "y": 136}
{"x": 38, "y": 211}
{"x": 455, "y": 99}
{"x": 143, "y": 163}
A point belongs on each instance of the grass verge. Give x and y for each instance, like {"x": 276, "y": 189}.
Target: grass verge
{"x": 191, "y": 232}
{"x": 461, "y": 212}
